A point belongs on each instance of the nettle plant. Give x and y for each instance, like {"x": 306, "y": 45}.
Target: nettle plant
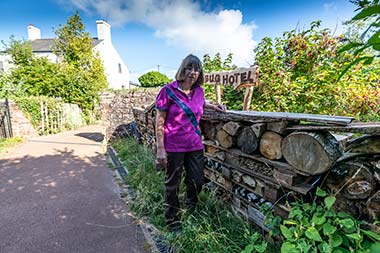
{"x": 317, "y": 227}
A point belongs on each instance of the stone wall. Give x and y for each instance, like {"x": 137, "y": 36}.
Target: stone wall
{"x": 21, "y": 125}
{"x": 116, "y": 108}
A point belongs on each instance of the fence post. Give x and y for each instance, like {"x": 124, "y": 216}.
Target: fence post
{"x": 8, "y": 117}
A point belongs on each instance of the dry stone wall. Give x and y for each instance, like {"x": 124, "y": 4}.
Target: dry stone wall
{"x": 116, "y": 107}
{"x": 21, "y": 125}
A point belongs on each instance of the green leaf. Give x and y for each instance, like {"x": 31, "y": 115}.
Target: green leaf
{"x": 375, "y": 247}
{"x": 347, "y": 223}
{"x": 318, "y": 219}
{"x": 336, "y": 240}
{"x": 290, "y": 222}
{"x": 356, "y": 61}
{"x": 320, "y": 192}
{"x": 375, "y": 39}
{"x": 376, "y": 47}
{"x": 248, "y": 249}
{"x": 367, "y": 12}
{"x": 313, "y": 234}
{"x": 261, "y": 248}
{"x": 349, "y": 46}
{"x": 324, "y": 247}
{"x": 288, "y": 247}
{"x": 328, "y": 229}
{"x": 355, "y": 236}
{"x": 369, "y": 61}
{"x": 341, "y": 250}
{"x": 371, "y": 235}
{"x": 286, "y": 232}
{"x": 344, "y": 215}
{"x": 329, "y": 201}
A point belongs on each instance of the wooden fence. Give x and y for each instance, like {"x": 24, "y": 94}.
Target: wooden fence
{"x": 5, "y": 120}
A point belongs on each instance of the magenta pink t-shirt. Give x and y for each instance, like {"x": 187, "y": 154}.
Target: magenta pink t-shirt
{"x": 180, "y": 134}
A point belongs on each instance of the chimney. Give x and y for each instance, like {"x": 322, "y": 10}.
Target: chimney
{"x": 104, "y": 30}
{"x": 33, "y": 33}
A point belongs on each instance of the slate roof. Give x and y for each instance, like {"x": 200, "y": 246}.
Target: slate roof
{"x": 46, "y": 45}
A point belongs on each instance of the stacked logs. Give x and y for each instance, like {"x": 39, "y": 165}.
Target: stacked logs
{"x": 275, "y": 155}
{"x": 261, "y": 159}
{"x": 145, "y": 119}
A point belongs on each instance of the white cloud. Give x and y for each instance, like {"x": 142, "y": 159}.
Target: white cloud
{"x": 183, "y": 24}
{"x": 328, "y": 7}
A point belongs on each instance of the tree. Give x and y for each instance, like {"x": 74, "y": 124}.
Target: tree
{"x": 216, "y": 64}
{"x": 370, "y": 38}
{"x": 31, "y": 76}
{"x": 153, "y": 79}
{"x": 233, "y": 99}
{"x": 84, "y": 72}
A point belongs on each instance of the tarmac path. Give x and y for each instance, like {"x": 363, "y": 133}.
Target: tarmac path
{"x": 57, "y": 194}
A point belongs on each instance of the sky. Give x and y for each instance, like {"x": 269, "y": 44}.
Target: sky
{"x": 158, "y": 34}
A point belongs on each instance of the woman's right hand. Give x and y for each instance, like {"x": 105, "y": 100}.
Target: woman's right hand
{"x": 161, "y": 158}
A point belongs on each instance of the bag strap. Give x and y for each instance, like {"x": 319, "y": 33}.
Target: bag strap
{"x": 189, "y": 113}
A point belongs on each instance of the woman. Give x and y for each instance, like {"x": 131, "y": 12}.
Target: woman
{"x": 179, "y": 107}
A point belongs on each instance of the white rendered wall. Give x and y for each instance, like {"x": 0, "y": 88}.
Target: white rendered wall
{"x": 111, "y": 60}
{"x": 5, "y": 59}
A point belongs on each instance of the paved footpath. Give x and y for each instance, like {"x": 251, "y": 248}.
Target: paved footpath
{"x": 57, "y": 194}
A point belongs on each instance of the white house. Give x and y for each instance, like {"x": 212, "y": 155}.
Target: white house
{"x": 114, "y": 67}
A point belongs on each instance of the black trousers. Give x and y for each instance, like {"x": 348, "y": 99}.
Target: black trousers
{"x": 193, "y": 164}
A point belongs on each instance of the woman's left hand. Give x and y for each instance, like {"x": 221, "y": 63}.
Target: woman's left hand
{"x": 220, "y": 108}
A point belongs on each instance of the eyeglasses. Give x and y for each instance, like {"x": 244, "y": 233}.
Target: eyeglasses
{"x": 196, "y": 70}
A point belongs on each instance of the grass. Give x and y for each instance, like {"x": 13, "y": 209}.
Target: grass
{"x": 211, "y": 227}
{"x": 9, "y": 142}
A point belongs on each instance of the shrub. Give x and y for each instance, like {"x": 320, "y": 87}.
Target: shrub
{"x": 153, "y": 79}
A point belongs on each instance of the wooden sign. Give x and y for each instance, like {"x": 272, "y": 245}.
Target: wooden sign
{"x": 238, "y": 78}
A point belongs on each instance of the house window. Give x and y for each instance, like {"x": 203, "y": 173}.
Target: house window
{"x": 1, "y": 66}
{"x": 119, "y": 65}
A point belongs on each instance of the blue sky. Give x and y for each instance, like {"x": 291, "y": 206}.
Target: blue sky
{"x": 148, "y": 33}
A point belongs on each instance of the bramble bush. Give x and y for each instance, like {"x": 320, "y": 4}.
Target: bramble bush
{"x": 300, "y": 71}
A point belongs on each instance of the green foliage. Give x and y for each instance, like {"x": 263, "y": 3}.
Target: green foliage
{"x": 53, "y": 114}
{"x": 21, "y": 52}
{"x": 299, "y": 73}
{"x": 256, "y": 245}
{"x": 232, "y": 98}
{"x": 370, "y": 38}
{"x": 78, "y": 78}
{"x": 212, "y": 227}
{"x": 84, "y": 73}
{"x": 318, "y": 228}
{"x": 153, "y": 79}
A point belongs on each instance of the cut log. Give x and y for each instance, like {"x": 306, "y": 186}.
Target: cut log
{"x": 209, "y": 129}
{"x": 247, "y": 140}
{"x": 343, "y": 139}
{"x": 367, "y": 145}
{"x": 311, "y": 152}
{"x": 224, "y": 139}
{"x": 277, "y": 126}
{"x": 373, "y": 206}
{"x": 231, "y": 128}
{"x": 270, "y": 145}
{"x": 259, "y": 129}
{"x": 355, "y": 180}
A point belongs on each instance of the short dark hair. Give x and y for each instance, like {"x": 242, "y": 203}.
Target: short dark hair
{"x": 190, "y": 61}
